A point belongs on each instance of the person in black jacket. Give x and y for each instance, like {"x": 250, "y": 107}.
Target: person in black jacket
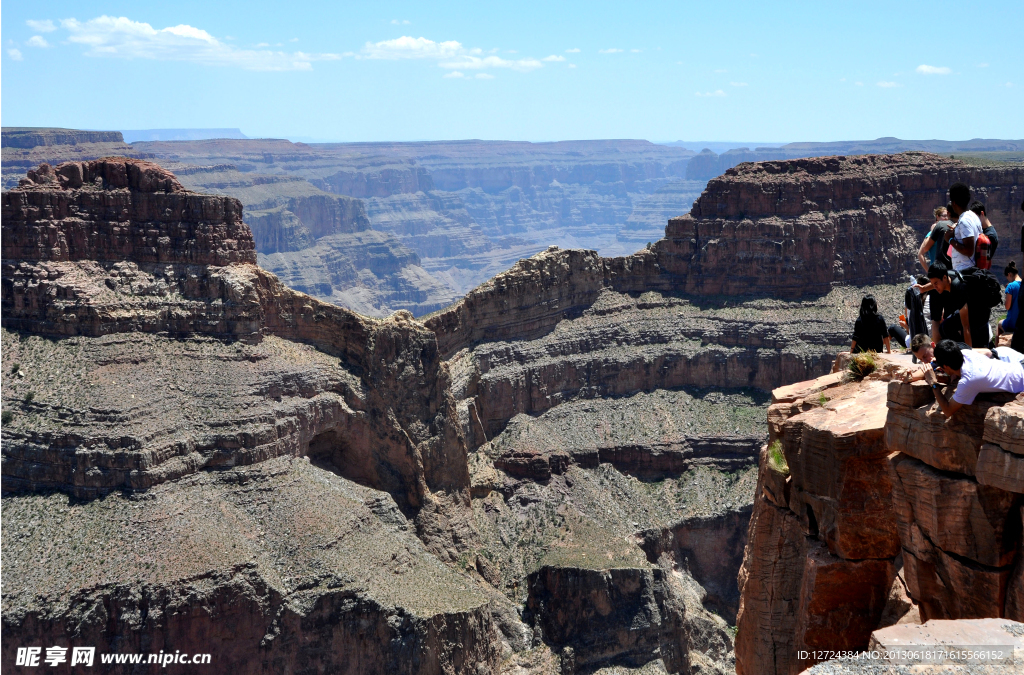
{"x": 956, "y": 314}
{"x": 870, "y": 330}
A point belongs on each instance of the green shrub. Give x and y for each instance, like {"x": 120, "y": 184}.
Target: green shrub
{"x": 862, "y": 365}
{"x": 15, "y": 368}
{"x": 6, "y": 417}
{"x": 29, "y": 397}
{"x": 777, "y": 460}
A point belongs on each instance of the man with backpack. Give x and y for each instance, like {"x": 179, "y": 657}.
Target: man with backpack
{"x": 963, "y": 304}
{"x": 988, "y": 240}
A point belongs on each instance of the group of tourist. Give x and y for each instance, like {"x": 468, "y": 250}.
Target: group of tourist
{"x": 948, "y": 309}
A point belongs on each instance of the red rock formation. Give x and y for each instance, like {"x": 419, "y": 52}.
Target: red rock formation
{"x": 931, "y": 497}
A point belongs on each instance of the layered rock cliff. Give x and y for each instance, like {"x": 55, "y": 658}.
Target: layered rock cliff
{"x": 796, "y": 227}
{"x": 198, "y": 458}
{"x": 322, "y": 244}
{"x": 871, "y": 509}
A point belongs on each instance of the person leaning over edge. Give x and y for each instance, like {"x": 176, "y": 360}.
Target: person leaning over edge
{"x": 968, "y": 227}
{"x": 924, "y": 350}
{"x": 977, "y": 375}
{"x": 952, "y": 315}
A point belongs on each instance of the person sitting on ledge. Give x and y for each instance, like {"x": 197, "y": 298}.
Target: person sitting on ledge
{"x": 976, "y": 374}
{"x": 1008, "y": 324}
{"x": 870, "y": 331}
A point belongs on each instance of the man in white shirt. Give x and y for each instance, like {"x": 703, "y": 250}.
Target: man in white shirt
{"x": 968, "y": 227}
{"x": 977, "y": 373}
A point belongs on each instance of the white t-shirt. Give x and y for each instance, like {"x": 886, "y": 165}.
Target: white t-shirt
{"x": 980, "y": 374}
{"x": 1007, "y": 355}
{"x": 968, "y": 226}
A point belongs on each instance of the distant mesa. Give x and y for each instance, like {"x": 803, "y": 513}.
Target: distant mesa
{"x": 135, "y": 135}
{"x": 31, "y": 137}
{"x": 717, "y": 158}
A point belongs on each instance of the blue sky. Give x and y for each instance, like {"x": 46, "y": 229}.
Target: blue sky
{"x": 814, "y": 71}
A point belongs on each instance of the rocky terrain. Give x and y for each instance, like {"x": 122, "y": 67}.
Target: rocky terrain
{"x": 559, "y": 473}
{"x": 871, "y": 509}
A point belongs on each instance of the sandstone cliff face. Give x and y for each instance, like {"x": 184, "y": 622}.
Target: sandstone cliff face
{"x": 796, "y": 227}
{"x": 881, "y": 499}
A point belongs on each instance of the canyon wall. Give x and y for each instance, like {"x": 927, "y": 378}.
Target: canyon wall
{"x": 199, "y": 459}
{"x": 797, "y": 227}
{"x": 871, "y": 509}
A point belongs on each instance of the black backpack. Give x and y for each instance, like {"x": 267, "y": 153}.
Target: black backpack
{"x": 982, "y": 287}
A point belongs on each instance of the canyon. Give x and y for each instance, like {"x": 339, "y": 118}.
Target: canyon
{"x": 560, "y": 470}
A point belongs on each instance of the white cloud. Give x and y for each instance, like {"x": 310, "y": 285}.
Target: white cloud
{"x": 403, "y": 22}
{"x": 716, "y": 92}
{"x": 120, "y": 37}
{"x": 454, "y": 73}
{"x": 889, "y": 85}
{"x": 574, "y": 50}
{"x": 738, "y": 84}
{"x": 450, "y": 55}
{"x": 470, "y": 62}
{"x": 933, "y": 70}
{"x": 983, "y": 65}
{"x": 859, "y": 84}
{"x": 613, "y": 50}
{"x": 294, "y": 40}
{"x": 46, "y": 26}
{"x": 484, "y": 76}
{"x": 573, "y": 65}
{"x": 37, "y": 41}
{"x": 553, "y": 57}
{"x": 636, "y": 51}
{"x": 721, "y": 70}
{"x": 1008, "y": 84}
{"x": 15, "y": 54}
{"x": 407, "y": 47}
{"x": 262, "y": 44}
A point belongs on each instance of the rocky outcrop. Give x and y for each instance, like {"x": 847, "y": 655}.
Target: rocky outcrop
{"x": 796, "y": 227}
{"x": 382, "y": 182}
{"x": 875, "y": 482}
{"x": 179, "y": 264}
